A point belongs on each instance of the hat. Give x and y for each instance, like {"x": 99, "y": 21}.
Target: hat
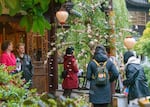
{"x": 127, "y": 55}
{"x": 69, "y": 50}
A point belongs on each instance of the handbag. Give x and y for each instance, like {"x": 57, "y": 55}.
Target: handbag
{"x": 64, "y": 74}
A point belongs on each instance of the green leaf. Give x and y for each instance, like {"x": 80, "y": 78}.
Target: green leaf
{"x": 41, "y": 26}
{"x": 46, "y": 24}
{"x": 26, "y": 4}
{"x": 12, "y": 4}
{"x": 13, "y": 12}
{"x": 44, "y": 4}
{"x": 61, "y": 1}
{"x": 36, "y": 1}
{"x": 28, "y": 102}
{"x": 26, "y": 23}
{"x": 35, "y": 25}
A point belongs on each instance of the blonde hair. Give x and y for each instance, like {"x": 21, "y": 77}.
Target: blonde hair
{"x": 20, "y": 44}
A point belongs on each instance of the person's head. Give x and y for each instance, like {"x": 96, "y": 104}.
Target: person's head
{"x": 100, "y": 53}
{"x": 7, "y": 46}
{"x": 21, "y": 48}
{"x": 100, "y": 48}
{"x": 69, "y": 50}
{"x": 127, "y": 55}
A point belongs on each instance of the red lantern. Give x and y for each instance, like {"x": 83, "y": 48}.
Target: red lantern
{"x": 62, "y": 16}
{"x": 129, "y": 42}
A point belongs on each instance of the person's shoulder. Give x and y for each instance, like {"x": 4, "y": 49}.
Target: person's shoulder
{"x": 26, "y": 56}
{"x": 4, "y": 54}
{"x": 132, "y": 66}
{"x": 91, "y": 62}
{"x": 109, "y": 62}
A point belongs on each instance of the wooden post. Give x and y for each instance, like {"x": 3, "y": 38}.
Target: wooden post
{"x": 52, "y": 61}
{"x": 112, "y": 41}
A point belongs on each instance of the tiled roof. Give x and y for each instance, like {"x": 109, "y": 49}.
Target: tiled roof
{"x": 139, "y": 3}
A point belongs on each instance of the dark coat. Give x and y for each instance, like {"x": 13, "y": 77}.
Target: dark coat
{"x": 136, "y": 80}
{"x": 100, "y": 94}
{"x": 70, "y": 65}
{"x": 26, "y": 67}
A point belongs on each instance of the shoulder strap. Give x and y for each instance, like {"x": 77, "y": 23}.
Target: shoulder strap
{"x": 93, "y": 76}
{"x": 98, "y": 63}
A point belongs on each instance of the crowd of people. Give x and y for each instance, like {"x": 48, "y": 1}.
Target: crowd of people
{"x": 99, "y": 95}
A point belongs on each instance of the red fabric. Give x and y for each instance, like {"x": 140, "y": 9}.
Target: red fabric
{"x": 8, "y": 60}
{"x": 70, "y": 64}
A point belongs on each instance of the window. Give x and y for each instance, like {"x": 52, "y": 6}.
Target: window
{"x": 138, "y": 18}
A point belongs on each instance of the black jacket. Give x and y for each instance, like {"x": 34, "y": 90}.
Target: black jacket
{"x": 136, "y": 80}
{"x": 100, "y": 95}
{"x": 26, "y": 67}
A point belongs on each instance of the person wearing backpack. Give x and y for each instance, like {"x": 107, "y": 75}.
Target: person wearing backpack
{"x": 135, "y": 80}
{"x": 100, "y": 95}
{"x": 24, "y": 63}
{"x": 70, "y": 65}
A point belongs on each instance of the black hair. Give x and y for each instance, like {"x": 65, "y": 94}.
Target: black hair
{"x": 69, "y": 50}
{"x": 127, "y": 55}
{"x": 5, "y": 45}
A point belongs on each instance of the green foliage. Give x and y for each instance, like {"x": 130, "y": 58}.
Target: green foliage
{"x": 26, "y": 22}
{"x": 143, "y": 44}
{"x": 60, "y": 1}
{"x": 32, "y": 12}
{"x": 121, "y": 22}
{"x": 11, "y": 87}
{"x": 92, "y": 28}
{"x": 147, "y": 72}
{"x": 3, "y": 75}
{"x": 14, "y": 93}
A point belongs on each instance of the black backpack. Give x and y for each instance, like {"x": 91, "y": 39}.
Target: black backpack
{"x": 101, "y": 75}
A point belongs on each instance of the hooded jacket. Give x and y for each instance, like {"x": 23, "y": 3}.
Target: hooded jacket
{"x": 70, "y": 65}
{"x": 100, "y": 94}
{"x": 136, "y": 80}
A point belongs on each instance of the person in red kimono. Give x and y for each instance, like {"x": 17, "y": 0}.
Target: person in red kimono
{"x": 7, "y": 57}
{"x": 70, "y": 65}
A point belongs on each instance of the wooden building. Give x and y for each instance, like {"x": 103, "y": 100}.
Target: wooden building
{"x": 139, "y": 14}
{"x": 45, "y": 77}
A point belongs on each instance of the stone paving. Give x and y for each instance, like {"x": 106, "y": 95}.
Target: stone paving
{"x": 78, "y": 92}
{"x": 75, "y": 92}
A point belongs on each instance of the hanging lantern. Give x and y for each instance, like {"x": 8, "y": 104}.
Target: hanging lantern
{"x": 129, "y": 42}
{"x": 62, "y": 16}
